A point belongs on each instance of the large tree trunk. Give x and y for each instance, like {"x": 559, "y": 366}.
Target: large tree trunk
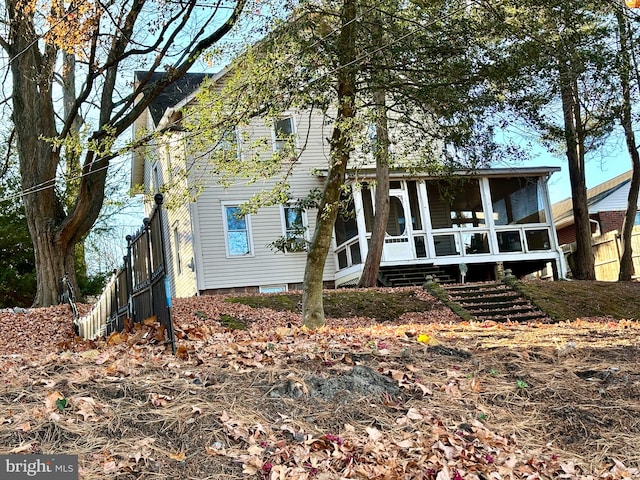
{"x": 369, "y": 276}
{"x": 341, "y": 145}
{"x": 626, "y": 260}
{"x": 584, "y": 265}
{"x": 53, "y": 232}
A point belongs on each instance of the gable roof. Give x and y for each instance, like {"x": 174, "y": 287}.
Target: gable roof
{"x": 562, "y": 211}
{"x": 172, "y": 94}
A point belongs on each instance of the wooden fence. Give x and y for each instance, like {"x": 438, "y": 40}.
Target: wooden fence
{"x": 139, "y": 290}
{"x": 607, "y": 250}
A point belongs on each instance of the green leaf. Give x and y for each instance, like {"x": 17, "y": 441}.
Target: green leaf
{"x": 61, "y": 403}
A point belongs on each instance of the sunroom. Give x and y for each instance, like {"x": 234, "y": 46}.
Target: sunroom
{"x": 468, "y": 224}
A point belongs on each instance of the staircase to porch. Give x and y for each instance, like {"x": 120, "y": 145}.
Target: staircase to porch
{"x": 411, "y": 275}
{"x": 494, "y": 301}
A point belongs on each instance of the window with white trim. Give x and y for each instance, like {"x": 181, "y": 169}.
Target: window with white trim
{"x": 294, "y": 225}
{"x": 237, "y": 230}
{"x": 284, "y": 134}
{"x": 230, "y": 141}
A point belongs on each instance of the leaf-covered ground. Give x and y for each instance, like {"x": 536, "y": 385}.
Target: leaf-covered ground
{"x": 425, "y": 396}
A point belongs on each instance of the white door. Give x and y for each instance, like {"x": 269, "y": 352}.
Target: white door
{"x": 397, "y": 244}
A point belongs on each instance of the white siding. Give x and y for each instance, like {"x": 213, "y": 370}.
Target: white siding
{"x": 178, "y": 233}
{"x": 617, "y": 201}
{"x": 265, "y": 266}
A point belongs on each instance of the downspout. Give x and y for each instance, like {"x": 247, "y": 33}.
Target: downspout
{"x": 562, "y": 265}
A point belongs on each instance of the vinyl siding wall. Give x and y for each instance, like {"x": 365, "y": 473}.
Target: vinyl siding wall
{"x": 178, "y": 232}
{"x": 264, "y": 266}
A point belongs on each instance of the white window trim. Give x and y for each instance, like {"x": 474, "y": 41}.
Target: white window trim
{"x": 283, "y": 224}
{"x": 177, "y": 245}
{"x": 247, "y": 219}
{"x": 237, "y": 138}
{"x": 276, "y": 288}
{"x": 294, "y": 128}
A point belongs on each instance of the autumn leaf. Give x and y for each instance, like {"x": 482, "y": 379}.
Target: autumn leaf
{"x": 179, "y": 456}
{"x": 51, "y": 401}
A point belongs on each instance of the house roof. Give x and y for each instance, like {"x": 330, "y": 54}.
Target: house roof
{"x": 172, "y": 94}
{"x": 563, "y": 210}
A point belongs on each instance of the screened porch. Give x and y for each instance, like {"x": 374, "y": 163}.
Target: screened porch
{"x": 479, "y": 219}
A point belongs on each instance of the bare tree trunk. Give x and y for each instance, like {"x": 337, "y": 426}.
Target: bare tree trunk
{"x": 341, "y": 146}
{"x": 626, "y": 260}
{"x": 584, "y": 266}
{"x": 72, "y": 156}
{"x": 369, "y": 276}
{"x": 34, "y": 118}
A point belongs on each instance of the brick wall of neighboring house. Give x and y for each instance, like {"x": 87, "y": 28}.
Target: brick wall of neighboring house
{"x": 568, "y": 234}
{"x": 611, "y": 221}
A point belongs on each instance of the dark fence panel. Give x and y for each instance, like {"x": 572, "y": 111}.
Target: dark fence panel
{"x": 139, "y": 290}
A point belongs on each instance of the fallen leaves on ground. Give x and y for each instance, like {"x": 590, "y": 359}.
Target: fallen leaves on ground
{"x": 426, "y": 397}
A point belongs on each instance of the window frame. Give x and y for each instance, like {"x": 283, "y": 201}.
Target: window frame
{"x": 305, "y": 225}
{"x": 279, "y": 142}
{"x": 225, "y": 224}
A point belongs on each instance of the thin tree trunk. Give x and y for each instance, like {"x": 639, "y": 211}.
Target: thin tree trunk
{"x": 369, "y": 276}
{"x": 584, "y": 265}
{"x": 341, "y": 146}
{"x": 626, "y": 260}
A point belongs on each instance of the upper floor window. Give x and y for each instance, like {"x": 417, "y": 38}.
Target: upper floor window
{"x": 284, "y": 134}
{"x": 237, "y": 229}
{"x": 229, "y": 144}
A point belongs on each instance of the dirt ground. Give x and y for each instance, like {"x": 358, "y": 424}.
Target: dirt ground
{"x": 423, "y": 397}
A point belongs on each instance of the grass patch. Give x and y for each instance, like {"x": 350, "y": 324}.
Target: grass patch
{"x": 568, "y": 300}
{"x": 346, "y": 303}
{"x": 232, "y": 322}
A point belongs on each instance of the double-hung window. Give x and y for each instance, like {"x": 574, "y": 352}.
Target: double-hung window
{"x": 284, "y": 134}
{"x": 237, "y": 229}
{"x": 294, "y": 224}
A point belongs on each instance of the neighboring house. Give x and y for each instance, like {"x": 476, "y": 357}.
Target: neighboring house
{"x": 607, "y": 204}
{"x": 486, "y": 219}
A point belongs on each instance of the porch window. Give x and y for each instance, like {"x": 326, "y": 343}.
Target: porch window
{"x": 414, "y": 205}
{"x": 509, "y": 241}
{"x": 517, "y": 200}
{"x": 455, "y": 203}
{"x": 367, "y": 206}
{"x": 538, "y": 239}
{"x": 396, "y": 224}
{"x": 445, "y": 245}
{"x": 475, "y": 243}
{"x": 237, "y": 231}
{"x": 346, "y": 226}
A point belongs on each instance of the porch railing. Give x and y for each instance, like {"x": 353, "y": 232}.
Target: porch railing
{"x": 139, "y": 290}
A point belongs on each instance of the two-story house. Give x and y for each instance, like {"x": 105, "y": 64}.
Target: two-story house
{"x": 478, "y": 221}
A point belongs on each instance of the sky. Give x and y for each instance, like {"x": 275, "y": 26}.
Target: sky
{"x": 609, "y": 161}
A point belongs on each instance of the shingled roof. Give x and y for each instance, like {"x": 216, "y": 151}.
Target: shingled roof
{"x": 173, "y": 94}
